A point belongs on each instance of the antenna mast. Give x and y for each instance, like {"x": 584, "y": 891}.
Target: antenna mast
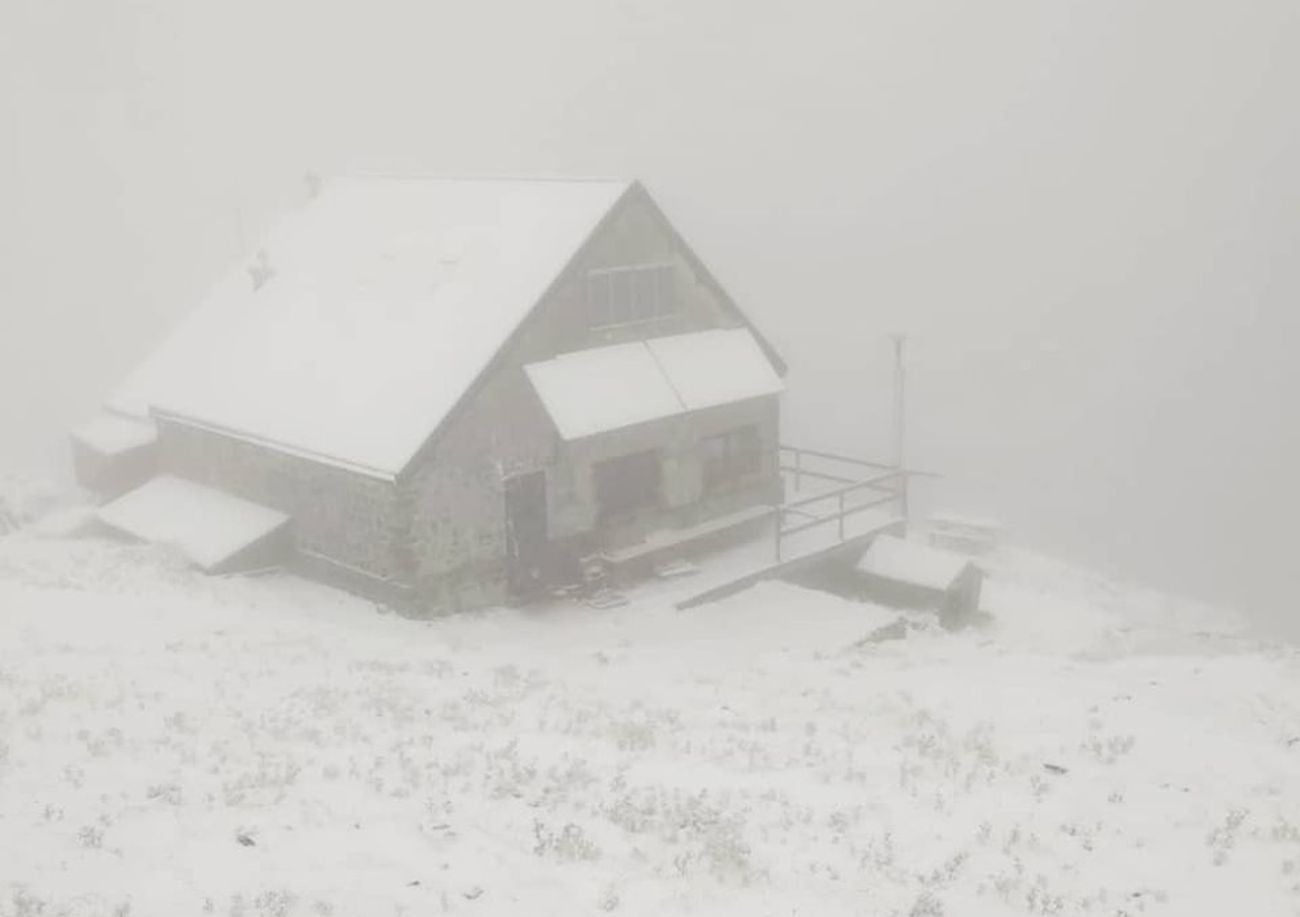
{"x": 900, "y": 383}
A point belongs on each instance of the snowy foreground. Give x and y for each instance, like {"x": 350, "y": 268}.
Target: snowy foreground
{"x": 174, "y": 745}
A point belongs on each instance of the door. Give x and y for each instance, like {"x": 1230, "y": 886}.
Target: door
{"x": 526, "y": 533}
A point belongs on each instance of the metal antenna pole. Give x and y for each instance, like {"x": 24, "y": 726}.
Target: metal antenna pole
{"x": 900, "y": 382}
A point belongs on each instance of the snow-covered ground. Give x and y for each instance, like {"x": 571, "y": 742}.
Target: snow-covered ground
{"x": 172, "y": 744}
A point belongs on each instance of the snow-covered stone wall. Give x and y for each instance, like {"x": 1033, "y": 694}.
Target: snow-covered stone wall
{"x": 344, "y": 523}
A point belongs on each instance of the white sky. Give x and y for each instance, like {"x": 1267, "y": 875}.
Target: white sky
{"x": 1087, "y": 214}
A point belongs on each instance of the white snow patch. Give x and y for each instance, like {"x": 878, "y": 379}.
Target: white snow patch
{"x": 904, "y": 561}
{"x": 113, "y": 434}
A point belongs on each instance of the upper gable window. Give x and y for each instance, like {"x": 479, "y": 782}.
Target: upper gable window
{"x": 626, "y": 295}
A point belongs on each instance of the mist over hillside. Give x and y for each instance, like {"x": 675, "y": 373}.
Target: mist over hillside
{"x": 1083, "y": 214}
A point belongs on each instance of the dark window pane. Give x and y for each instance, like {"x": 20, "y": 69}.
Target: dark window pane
{"x": 731, "y": 456}
{"x": 747, "y": 450}
{"x": 620, "y": 297}
{"x": 666, "y": 298}
{"x": 626, "y": 484}
{"x": 644, "y": 294}
{"x": 598, "y": 298}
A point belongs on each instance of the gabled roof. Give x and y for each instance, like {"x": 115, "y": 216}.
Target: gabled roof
{"x": 385, "y": 300}
{"x": 370, "y": 314}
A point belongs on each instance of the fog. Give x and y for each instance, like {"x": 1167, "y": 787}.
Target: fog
{"x": 1084, "y": 215}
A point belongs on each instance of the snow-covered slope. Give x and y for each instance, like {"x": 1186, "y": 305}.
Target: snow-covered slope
{"x": 171, "y": 745}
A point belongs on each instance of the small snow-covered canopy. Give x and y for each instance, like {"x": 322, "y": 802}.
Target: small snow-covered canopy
{"x": 709, "y": 368}
{"x": 605, "y": 388}
{"x": 207, "y": 526}
{"x": 893, "y": 558}
{"x": 380, "y": 304}
{"x": 113, "y": 434}
{"x": 608, "y": 388}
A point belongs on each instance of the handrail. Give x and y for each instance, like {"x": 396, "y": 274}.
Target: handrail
{"x": 889, "y": 480}
{"x": 820, "y": 475}
{"x": 798, "y": 469}
{"x": 839, "y": 516}
{"x": 834, "y": 457}
{"x": 873, "y": 482}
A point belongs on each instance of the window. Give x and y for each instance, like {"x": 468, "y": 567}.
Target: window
{"x": 731, "y": 455}
{"x": 624, "y": 295}
{"x": 626, "y": 485}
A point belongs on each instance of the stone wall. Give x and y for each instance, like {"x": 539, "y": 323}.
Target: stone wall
{"x": 348, "y": 518}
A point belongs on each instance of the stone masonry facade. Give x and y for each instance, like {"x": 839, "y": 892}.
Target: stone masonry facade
{"x": 436, "y": 536}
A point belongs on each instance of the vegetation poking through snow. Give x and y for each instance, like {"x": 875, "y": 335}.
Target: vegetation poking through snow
{"x": 172, "y": 744}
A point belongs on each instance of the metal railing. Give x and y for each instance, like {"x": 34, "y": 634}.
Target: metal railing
{"x": 888, "y": 480}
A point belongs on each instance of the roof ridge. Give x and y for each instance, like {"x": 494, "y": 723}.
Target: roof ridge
{"x": 481, "y": 177}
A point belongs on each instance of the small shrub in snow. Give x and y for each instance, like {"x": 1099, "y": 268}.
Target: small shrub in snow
{"x": 91, "y": 837}
{"x": 1223, "y": 838}
{"x": 927, "y": 904}
{"x": 1284, "y": 832}
{"x": 24, "y": 904}
{"x": 632, "y": 737}
{"x": 169, "y": 793}
{"x": 275, "y": 903}
{"x": 946, "y": 872}
{"x": 609, "y": 899}
{"x": 1107, "y": 750}
{"x": 570, "y": 845}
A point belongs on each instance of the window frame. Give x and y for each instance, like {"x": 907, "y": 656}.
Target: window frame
{"x": 737, "y": 456}
{"x": 623, "y": 286}
{"x": 616, "y": 475}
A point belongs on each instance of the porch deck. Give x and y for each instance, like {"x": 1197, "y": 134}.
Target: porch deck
{"x": 837, "y": 506}
{"x": 736, "y": 569}
{"x": 663, "y": 543}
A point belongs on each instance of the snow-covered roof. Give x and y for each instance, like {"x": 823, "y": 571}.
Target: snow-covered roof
{"x": 608, "y": 388}
{"x": 382, "y": 302}
{"x": 207, "y": 526}
{"x": 112, "y": 434}
{"x": 898, "y": 559}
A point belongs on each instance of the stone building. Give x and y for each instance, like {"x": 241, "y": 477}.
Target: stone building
{"x": 449, "y": 393}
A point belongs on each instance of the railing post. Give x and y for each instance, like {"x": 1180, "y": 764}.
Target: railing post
{"x": 777, "y": 529}
{"x": 798, "y": 470}
{"x": 841, "y": 515}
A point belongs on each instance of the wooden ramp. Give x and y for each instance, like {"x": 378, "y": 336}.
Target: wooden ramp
{"x": 738, "y": 568}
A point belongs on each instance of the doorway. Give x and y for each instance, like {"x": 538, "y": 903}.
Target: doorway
{"x": 526, "y": 533}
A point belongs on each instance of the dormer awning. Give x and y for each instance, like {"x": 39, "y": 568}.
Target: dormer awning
{"x": 608, "y": 388}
